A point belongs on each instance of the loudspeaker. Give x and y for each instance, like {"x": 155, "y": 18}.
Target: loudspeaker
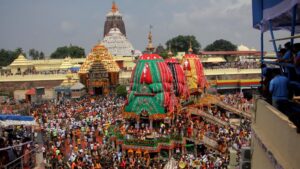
{"x": 245, "y": 165}
{"x": 245, "y": 160}
{"x": 245, "y": 154}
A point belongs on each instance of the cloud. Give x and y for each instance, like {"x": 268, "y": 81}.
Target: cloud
{"x": 66, "y": 26}
{"x": 216, "y": 19}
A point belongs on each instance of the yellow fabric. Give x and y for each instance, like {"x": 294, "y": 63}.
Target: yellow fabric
{"x": 192, "y": 76}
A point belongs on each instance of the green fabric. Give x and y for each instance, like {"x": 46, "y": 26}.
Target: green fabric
{"x": 151, "y": 104}
{"x": 146, "y": 103}
{"x": 156, "y": 87}
{"x": 159, "y": 97}
{"x": 130, "y": 96}
{"x": 156, "y": 78}
{"x": 134, "y": 86}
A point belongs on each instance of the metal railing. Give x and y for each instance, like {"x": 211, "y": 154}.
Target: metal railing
{"x": 21, "y": 162}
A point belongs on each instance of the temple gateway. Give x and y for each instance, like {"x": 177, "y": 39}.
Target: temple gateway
{"x": 99, "y": 72}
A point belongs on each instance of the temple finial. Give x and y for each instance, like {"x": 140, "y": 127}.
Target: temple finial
{"x": 114, "y": 7}
{"x": 150, "y": 47}
{"x": 170, "y": 54}
{"x": 190, "y": 48}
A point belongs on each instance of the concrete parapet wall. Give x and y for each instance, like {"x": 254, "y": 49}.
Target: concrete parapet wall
{"x": 278, "y": 136}
{"x": 20, "y": 94}
{"x": 25, "y": 85}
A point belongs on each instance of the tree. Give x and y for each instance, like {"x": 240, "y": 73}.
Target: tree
{"x": 121, "y": 90}
{"x": 8, "y": 56}
{"x": 35, "y": 54}
{"x": 18, "y": 51}
{"x": 182, "y": 43}
{"x": 221, "y": 45}
{"x": 42, "y": 55}
{"x": 76, "y": 52}
{"x": 72, "y": 51}
{"x": 164, "y": 54}
{"x": 160, "y": 50}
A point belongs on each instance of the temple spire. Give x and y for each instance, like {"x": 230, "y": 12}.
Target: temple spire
{"x": 150, "y": 47}
{"x": 114, "y": 7}
{"x": 190, "y": 51}
{"x": 170, "y": 54}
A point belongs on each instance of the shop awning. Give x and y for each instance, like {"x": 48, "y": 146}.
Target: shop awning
{"x": 13, "y": 120}
{"x": 30, "y": 91}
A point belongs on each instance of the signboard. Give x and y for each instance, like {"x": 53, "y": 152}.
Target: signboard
{"x": 40, "y": 90}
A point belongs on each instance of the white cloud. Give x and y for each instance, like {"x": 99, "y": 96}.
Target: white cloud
{"x": 66, "y": 26}
{"x": 216, "y": 19}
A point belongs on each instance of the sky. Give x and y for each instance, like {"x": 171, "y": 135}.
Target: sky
{"x": 47, "y": 24}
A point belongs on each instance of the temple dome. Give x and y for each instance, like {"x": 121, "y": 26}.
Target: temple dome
{"x": 21, "y": 61}
{"x": 66, "y": 64}
{"x": 243, "y": 48}
{"x": 117, "y": 43}
{"x": 99, "y": 53}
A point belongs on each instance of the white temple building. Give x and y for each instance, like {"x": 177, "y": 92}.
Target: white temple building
{"x": 117, "y": 44}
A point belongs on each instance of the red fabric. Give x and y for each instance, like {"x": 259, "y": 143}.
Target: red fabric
{"x": 167, "y": 98}
{"x": 190, "y": 56}
{"x": 146, "y": 76}
{"x": 186, "y": 65}
{"x": 165, "y": 72}
{"x": 132, "y": 75}
{"x": 30, "y": 91}
{"x": 147, "y": 56}
{"x": 167, "y": 87}
{"x": 166, "y": 80}
{"x": 201, "y": 80}
{"x": 171, "y": 60}
{"x": 181, "y": 80}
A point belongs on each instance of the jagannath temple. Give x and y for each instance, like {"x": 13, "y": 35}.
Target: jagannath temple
{"x": 117, "y": 43}
{"x": 114, "y": 38}
{"x": 114, "y": 20}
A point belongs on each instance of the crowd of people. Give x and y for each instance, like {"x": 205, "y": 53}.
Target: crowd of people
{"x": 75, "y": 131}
{"x": 32, "y": 71}
{"x": 226, "y": 137}
{"x": 12, "y": 106}
{"x": 236, "y": 64}
{"x": 76, "y": 134}
{"x": 238, "y": 101}
{"x": 16, "y": 141}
